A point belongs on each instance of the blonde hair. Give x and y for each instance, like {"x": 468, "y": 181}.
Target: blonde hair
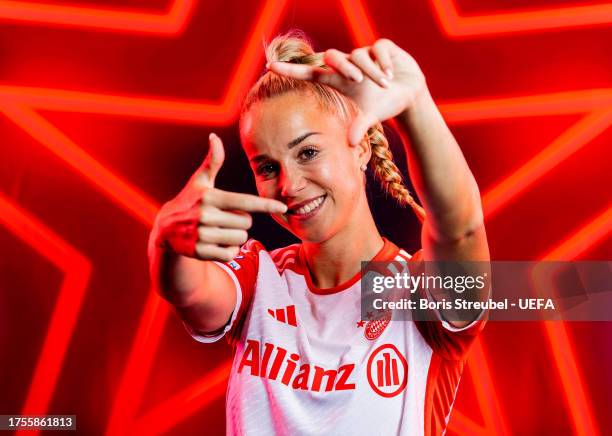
{"x": 294, "y": 47}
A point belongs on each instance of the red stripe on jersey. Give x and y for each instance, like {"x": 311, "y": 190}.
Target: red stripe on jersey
{"x": 283, "y": 257}
{"x": 291, "y": 315}
{"x": 280, "y": 315}
{"x": 286, "y": 262}
{"x": 442, "y": 382}
{"x": 246, "y": 275}
{"x": 251, "y": 245}
{"x": 278, "y": 254}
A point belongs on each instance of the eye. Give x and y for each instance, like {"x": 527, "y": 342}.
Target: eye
{"x": 308, "y": 153}
{"x": 266, "y": 169}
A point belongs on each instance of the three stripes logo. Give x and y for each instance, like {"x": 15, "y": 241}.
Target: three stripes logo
{"x": 286, "y": 315}
{"x": 387, "y": 371}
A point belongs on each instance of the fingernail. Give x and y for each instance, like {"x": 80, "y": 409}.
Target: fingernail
{"x": 384, "y": 82}
{"x": 211, "y": 136}
{"x": 389, "y": 73}
{"x": 279, "y": 208}
{"x": 357, "y": 77}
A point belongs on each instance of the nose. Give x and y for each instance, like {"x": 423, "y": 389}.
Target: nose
{"x": 291, "y": 182}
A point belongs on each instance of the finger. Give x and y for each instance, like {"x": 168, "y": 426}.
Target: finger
{"x": 382, "y": 55}
{"x": 212, "y": 216}
{"x": 325, "y": 76}
{"x": 217, "y": 235}
{"x": 359, "y": 127}
{"x": 245, "y": 202}
{"x": 206, "y": 251}
{"x": 339, "y": 62}
{"x": 362, "y": 59}
{"x": 212, "y": 163}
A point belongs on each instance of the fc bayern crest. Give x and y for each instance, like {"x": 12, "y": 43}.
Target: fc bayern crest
{"x": 375, "y": 327}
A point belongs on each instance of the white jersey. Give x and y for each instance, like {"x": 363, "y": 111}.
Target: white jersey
{"x": 306, "y": 364}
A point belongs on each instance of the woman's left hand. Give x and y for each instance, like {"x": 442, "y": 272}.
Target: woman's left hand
{"x": 382, "y": 79}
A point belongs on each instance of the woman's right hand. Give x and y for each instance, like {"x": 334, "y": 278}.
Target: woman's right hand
{"x": 207, "y": 223}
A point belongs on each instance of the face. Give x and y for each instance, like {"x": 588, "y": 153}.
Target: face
{"x": 300, "y": 155}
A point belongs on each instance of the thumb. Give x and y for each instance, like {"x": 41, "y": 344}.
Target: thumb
{"x": 212, "y": 163}
{"x": 359, "y": 127}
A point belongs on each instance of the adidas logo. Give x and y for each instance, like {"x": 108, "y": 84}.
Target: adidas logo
{"x": 286, "y": 315}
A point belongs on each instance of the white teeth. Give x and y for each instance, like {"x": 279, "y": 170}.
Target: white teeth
{"x": 309, "y": 207}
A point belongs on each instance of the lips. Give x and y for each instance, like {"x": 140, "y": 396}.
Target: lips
{"x": 307, "y": 207}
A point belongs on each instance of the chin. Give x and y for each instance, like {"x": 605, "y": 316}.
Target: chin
{"x": 305, "y": 234}
{"x": 321, "y": 229}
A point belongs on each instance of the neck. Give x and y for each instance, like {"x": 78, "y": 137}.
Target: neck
{"x": 338, "y": 259}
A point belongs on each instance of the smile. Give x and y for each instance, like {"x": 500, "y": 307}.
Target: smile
{"x": 309, "y": 209}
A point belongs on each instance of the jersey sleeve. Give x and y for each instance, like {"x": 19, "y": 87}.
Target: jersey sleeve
{"x": 243, "y": 270}
{"x": 451, "y": 343}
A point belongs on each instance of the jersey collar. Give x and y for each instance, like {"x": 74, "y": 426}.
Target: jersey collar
{"x": 386, "y": 254}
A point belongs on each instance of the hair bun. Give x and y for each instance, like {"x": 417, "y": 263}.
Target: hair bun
{"x": 293, "y": 47}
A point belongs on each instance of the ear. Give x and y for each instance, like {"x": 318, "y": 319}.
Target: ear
{"x": 363, "y": 150}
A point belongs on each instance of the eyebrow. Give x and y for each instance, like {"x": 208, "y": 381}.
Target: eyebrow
{"x": 290, "y": 145}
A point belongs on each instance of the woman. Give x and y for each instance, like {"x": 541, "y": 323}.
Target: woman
{"x": 305, "y": 362}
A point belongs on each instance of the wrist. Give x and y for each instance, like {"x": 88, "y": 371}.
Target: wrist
{"x": 419, "y": 102}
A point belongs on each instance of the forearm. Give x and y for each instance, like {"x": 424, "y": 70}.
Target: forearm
{"x": 177, "y": 278}
{"x": 454, "y": 226}
{"x": 439, "y": 172}
{"x": 201, "y": 292}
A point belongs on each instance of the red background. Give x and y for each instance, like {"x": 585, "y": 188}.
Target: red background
{"x": 106, "y": 107}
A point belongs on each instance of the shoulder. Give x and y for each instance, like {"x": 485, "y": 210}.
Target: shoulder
{"x": 418, "y": 255}
{"x": 392, "y": 252}
{"x": 285, "y": 257}
{"x": 252, "y": 246}
{"x": 282, "y": 258}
